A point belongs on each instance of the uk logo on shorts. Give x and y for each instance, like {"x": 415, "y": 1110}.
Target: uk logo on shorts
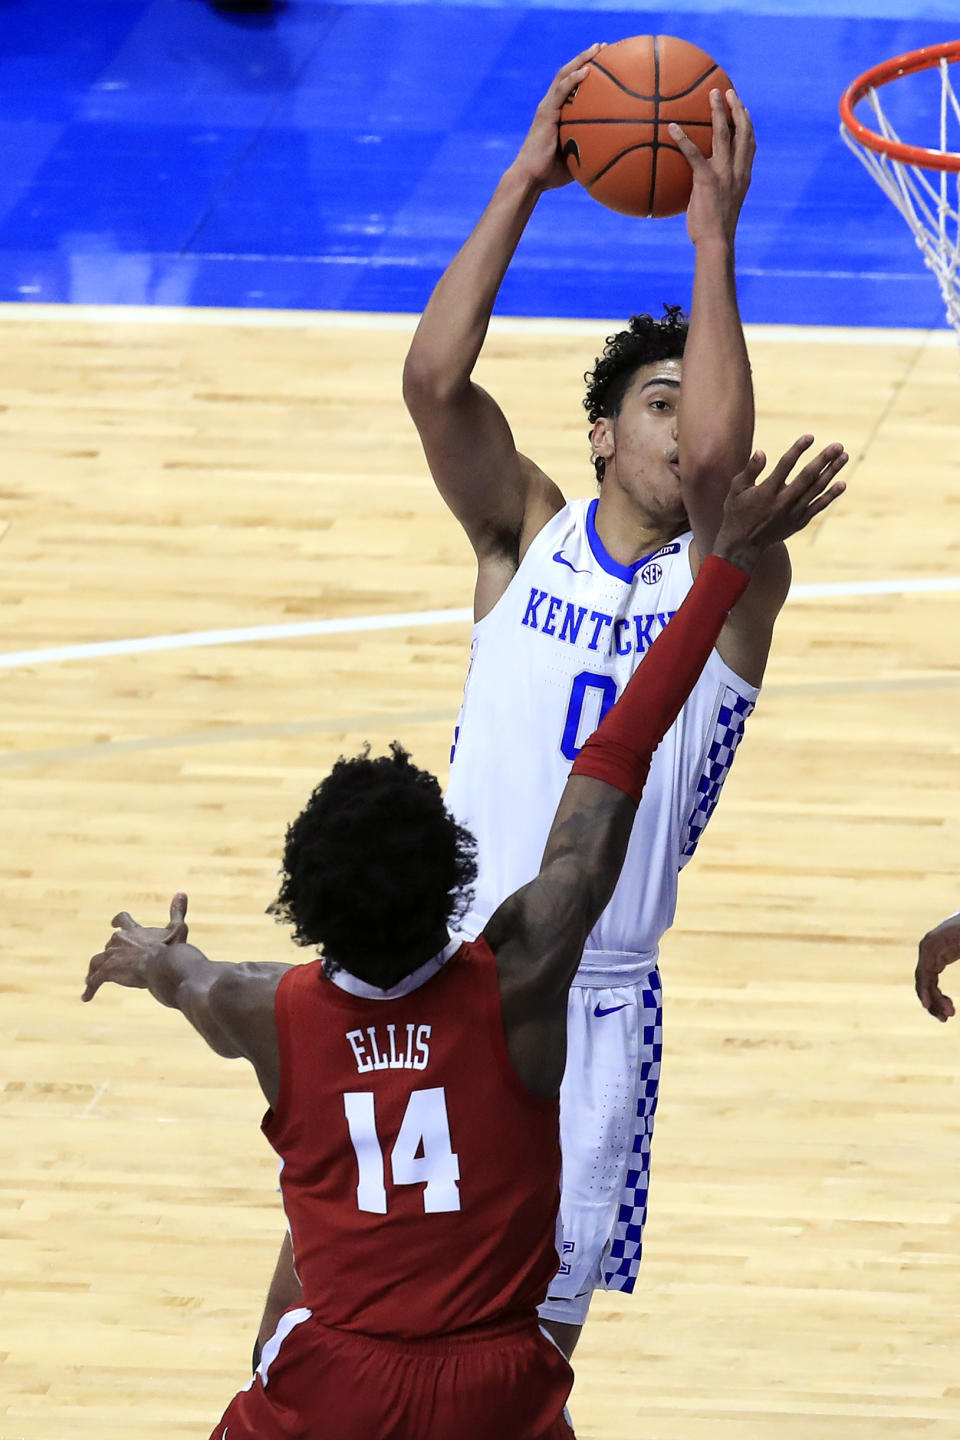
{"x": 651, "y": 573}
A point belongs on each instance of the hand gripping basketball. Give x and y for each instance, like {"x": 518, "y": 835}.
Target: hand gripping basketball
{"x": 720, "y": 182}
{"x": 756, "y": 516}
{"x": 615, "y": 128}
{"x": 539, "y": 157}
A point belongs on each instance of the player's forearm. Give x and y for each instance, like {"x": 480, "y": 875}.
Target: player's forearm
{"x": 172, "y": 971}
{"x": 716, "y": 409}
{"x": 584, "y": 854}
{"x": 588, "y": 840}
{"x": 453, "y": 327}
{"x": 620, "y": 751}
{"x": 590, "y": 834}
{"x": 181, "y": 977}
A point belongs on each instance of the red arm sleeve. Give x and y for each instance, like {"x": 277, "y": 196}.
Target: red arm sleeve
{"x": 621, "y": 748}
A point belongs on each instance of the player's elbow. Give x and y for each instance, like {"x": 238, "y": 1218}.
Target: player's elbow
{"x": 428, "y": 382}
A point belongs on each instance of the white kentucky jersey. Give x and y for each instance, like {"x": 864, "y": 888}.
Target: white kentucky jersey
{"x": 547, "y": 663}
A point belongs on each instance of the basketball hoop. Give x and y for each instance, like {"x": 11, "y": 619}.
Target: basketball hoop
{"x": 929, "y": 202}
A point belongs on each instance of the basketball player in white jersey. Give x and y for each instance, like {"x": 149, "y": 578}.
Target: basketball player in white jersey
{"x": 568, "y": 600}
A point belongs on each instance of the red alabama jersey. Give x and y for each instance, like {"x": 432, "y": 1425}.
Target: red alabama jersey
{"x": 420, "y": 1175}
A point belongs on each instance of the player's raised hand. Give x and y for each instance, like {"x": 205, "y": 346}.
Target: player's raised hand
{"x": 939, "y": 948}
{"x": 720, "y": 184}
{"x": 539, "y": 157}
{"x": 127, "y": 953}
{"x": 756, "y": 516}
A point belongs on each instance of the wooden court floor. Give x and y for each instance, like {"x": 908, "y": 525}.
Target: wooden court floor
{"x": 161, "y": 477}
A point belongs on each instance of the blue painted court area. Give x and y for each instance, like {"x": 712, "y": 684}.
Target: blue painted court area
{"x": 334, "y": 156}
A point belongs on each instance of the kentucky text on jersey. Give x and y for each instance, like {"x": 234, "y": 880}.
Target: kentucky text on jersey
{"x": 410, "y": 1050}
{"x": 608, "y": 634}
{"x": 598, "y": 620}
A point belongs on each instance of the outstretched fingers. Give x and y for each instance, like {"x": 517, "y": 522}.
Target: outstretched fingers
{"x": 580, "y": 60}
{"x": 121, "y": 962}
{"x": 722, "y": 134}
{"x": 758, "y": 515}
{"x": 781, "y": 471}
{"x": 570, "y": 76}
{"x": 176, "y": 931}
{"x": 747, "y": 477}
{"x": 927, "y": 977}
{"x": 732, "y": 139}
{"x": 818, "y": 472}
{"x": 809, "y": 495}
{"x": 739, "y": 113}
{"x": 816, "y": 507}
{"x": 690, "y": 152}
{"x": 939, "y": 948}
{"x": 96, "y": 975}
{"x": 744, "y": 140}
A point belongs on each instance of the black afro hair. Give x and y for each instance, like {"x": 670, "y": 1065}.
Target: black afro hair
{"x": 375, "y": 868}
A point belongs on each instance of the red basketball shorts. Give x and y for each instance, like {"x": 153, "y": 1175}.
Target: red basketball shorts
{"x": 322, "y": 1384}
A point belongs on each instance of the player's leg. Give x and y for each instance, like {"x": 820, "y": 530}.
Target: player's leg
{"x": 284, "y": 1294}
{"x": 564, "y": 1334}
{"x": 620, "y": 1265}
{"x": 259, "y": 1411}
{"x": 607, "y": 1107}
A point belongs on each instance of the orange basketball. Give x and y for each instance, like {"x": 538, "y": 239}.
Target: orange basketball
{"x": 614, "y": 132}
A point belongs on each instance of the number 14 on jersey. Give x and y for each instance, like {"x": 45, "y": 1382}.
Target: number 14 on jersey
{"x": 422, "y": 1153}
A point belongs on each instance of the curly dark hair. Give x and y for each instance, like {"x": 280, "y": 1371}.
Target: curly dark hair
{"x": 644, "y": 342}
{"x": 375, "y": 867}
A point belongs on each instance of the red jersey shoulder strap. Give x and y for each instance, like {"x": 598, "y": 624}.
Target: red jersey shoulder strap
{"x": 298, "y": 984}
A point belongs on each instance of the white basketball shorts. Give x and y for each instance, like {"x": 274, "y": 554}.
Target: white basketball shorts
{"x": 607, "y": 1104}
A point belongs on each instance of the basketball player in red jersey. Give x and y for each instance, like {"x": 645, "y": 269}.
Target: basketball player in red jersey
{"x": 422, "y": 1272}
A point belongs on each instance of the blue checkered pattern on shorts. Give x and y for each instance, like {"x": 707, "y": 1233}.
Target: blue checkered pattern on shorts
{"x": 732, "y": 716}
{"x": 621, "y": 1264}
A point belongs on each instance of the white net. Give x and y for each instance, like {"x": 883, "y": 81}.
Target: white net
{"x": 927, "y": 198}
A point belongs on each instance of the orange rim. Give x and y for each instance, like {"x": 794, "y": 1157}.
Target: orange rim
{"x": 882, "y": 74}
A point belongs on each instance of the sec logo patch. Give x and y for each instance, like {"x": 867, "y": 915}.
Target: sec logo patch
{"x": 651, "y": 573}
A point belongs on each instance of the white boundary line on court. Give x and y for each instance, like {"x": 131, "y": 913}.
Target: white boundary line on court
{"x": 412, "y": 620}
{"x": 368, "y": 320}
{"x": 373, "y": 320}
{"x": 244, "y": 635}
